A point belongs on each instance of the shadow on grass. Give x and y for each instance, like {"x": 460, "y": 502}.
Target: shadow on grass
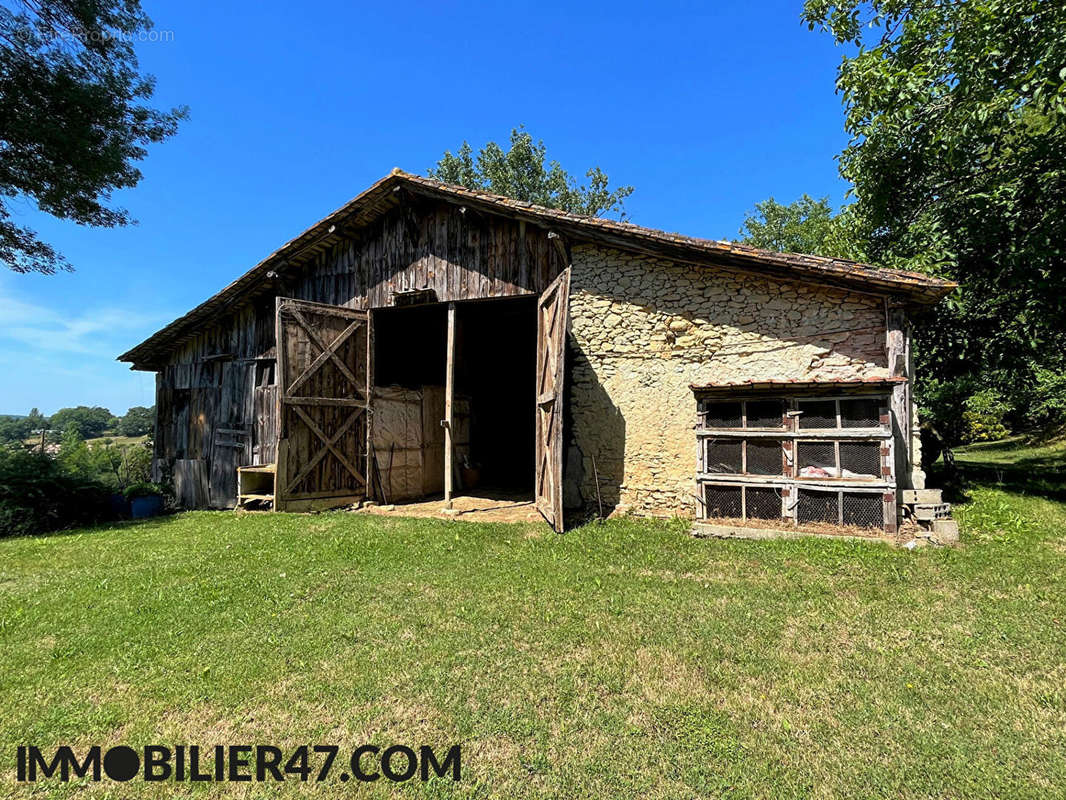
{"x": 1042, "y": 474}
{"x": 81, "y": 529}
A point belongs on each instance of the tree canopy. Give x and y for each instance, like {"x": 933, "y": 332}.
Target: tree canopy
{"x": 16, "y": 428}
{"x": 74, "y": 117}
{"x": 523, "y": 172}
{"x": 86, "y": 421}
{"x": 138, "y": 421}
{"x": 805, "y": 225}
{"x": 957, "y": 113}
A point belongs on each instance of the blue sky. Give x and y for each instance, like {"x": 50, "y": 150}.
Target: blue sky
{"x": 706, "y": 108}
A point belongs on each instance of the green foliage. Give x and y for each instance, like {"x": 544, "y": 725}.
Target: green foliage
{"x": 957, "y": 112}
{"x": 136, "y": 464}
{"x": 74, "y": 117}
{"x": 88, "y": 422}
{"x": 16, "y": 429}
{"x": 36, "y": 420}
{"x": 941, "y": 401}
{"x": 959, "y": 412}
{"x": 1049, "y": 406}
{"x": 37, "y": 494}
{"x": 983, "y": 417}
{"x": 523, "y": 173}
{"x": 992, "y": 516}
{"x": 143, "y": 489}
{"x": 802, "y": 226}
{"x": 74, "y": 456}
{"x": 103, "y": 461}
{"x": 138, "y": 421}
{"x": 13, "y": 429}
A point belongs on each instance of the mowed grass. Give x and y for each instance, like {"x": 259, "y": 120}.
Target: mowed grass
{"x": 625, "y": 659}
{"x": 1016, "y": 464}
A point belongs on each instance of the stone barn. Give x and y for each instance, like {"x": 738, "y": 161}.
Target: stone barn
{"x": 429, "y": 340}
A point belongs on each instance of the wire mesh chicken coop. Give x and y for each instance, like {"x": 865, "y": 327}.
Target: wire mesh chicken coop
{"x": 824, "y": 457}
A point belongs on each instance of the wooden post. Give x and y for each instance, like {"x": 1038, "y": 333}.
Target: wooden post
{"x": 449, "y": 394}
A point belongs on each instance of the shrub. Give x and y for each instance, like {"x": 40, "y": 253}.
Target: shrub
{"x": 941, "y": 404}
{"x": 137, "y": 463}
{"x": 143, "y": 489}
{"x": 983, "y": 417}
{"x": 1049, "y": 407}
{"x": 38, "y": 495}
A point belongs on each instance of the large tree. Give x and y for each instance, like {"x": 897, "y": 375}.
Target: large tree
{"x": 85, "y": 421}
{"x": 74, "y": 116}
{"x": 523, "y": 172}
{"x": 957, "y": 112}
{"x": 805, "y": 225}
{"x": 138, "y": 421}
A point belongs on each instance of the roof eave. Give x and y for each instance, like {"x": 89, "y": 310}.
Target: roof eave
{"x": 914, "y": 287}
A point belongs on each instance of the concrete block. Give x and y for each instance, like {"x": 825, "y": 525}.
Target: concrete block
{"x": 945, "y": 531}
{"x": 927, "y": 512}
{"x": 924, "y": 496}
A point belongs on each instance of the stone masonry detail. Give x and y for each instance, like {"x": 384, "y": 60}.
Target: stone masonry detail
{"x": 642, "y": 330}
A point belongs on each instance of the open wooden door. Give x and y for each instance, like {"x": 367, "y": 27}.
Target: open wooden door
{"x": 323, "y": 400}
{"x": 552, "y": 311}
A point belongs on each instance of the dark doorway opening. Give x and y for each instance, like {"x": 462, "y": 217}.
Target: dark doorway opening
{"x": 495, "y": 397}
{"x": 410, "y": 346}
{"x": 496, "y": 366}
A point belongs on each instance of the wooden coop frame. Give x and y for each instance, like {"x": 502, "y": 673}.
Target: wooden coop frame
{"x": 837, "y": 468}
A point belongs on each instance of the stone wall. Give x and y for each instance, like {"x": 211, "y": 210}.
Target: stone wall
{"x": 643, "y": 330}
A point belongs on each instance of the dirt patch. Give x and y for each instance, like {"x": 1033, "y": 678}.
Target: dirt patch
{"x": 479, "y": 507}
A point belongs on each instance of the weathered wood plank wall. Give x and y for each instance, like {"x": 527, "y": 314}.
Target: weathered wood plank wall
{"x": 216, "y": 399}
{"x": 459, "y": 255}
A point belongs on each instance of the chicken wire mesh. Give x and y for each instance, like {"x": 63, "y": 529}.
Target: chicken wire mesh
{"x": 723, "y": 456}
{"x": 764, "y": 457}
{"x": 816, "y": 460}
{"x": 765, "y": 413}
{"x": 723, "y": 501}
{"x": 863, "y": 510}
{"x": 762, "y": 503}
{"x": 721, "y": 415}
{"x": 818, "y": 507}
{"x": 860, "y": 459}
{"x": 860, "y": 413}
{"x": 817, "y": 414}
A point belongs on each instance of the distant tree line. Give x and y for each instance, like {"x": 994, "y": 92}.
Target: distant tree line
{"x": 51, "y": 477}
{"x": 85, "y": 422}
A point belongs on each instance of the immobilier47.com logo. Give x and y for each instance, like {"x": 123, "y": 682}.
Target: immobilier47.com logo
{"x": 238, "y": 763}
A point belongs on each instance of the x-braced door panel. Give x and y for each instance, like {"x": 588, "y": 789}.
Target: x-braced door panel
{"x": 323, "y": 405}
{"x": 552, "y": 310}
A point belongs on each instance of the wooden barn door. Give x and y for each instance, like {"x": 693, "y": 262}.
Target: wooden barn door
{"x": 323, "y": 399}
{"x": 231, "y": 445}
{"x": 552, "y": 309}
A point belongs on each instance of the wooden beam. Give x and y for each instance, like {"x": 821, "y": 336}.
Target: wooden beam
{"x": 449, "y": 395}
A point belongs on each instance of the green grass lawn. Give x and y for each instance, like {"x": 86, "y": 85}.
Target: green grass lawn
{"x": 621, "y": 660}
{"x": 1015, "y": 464}
{"x": 118, "y": 441}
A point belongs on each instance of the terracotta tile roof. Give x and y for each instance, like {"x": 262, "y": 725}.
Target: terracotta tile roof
{"x": 920, "y": 287}
{"x": 795, "y": 386}
{"x": 380, "y": 197}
